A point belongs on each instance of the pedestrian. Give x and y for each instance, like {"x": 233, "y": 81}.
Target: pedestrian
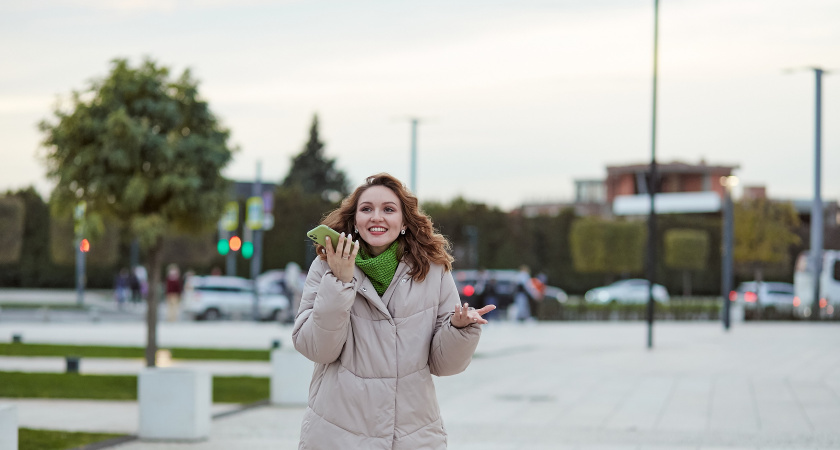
{"x": 121, "y": 287}
{"x": 379, "y": 316}
{"x": 490, "y": 296}
{"x": 143, "y": 278}
{"x": 134, "y": 284}
{"x": 173, "y": 292}
{"x": 523, "y": 294}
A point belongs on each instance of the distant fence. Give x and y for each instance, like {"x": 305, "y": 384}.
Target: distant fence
{"x": 679, "y": 308}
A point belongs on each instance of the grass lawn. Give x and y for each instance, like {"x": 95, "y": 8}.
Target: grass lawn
{"x": 30, "y": 439}
{"x": 101, "y": 351}
{"x": 59, "y": 306}
{"x": 118, "y": 387}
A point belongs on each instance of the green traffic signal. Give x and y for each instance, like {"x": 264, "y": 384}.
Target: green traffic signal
{"x": 247, "y": 249}
{"x": 223, "y": 247}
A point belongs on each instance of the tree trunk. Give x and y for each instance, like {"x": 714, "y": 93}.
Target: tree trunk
{"x": 686, "y": 283}
{"x": 155, "y": 258}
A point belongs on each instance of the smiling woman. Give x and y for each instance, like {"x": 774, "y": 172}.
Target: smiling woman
{"x": 379, "y": 316}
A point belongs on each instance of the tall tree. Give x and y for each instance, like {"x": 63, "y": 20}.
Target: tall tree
{"x": 601, "y": 246}
{"x": 764, "y": 233}
{"x": 142, "y": 147}
{"x": 313, "y": 173}
{"x": 686, "y": 250}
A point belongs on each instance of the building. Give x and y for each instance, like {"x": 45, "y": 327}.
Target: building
{"x": 673, "y": 177}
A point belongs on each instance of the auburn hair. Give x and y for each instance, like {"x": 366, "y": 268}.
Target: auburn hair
{"x": 420, "y": 246}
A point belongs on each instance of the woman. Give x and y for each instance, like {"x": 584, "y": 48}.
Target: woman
{"x": 379, "y": 316}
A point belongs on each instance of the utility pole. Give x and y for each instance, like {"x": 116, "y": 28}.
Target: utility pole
{"x": 413, "y": 178}
{"x": 651, "y": 250}
{"x": 728, "y": 235}
{"x": 817, "y": 206}
{"x": 256, "y": 258}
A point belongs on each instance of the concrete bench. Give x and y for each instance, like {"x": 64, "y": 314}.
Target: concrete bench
{"x": 291, "y": 373}
{"x": 174, "y": 404}
{"x": 8, "y": 427}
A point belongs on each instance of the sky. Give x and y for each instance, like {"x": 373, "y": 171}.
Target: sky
{"x": 516, "y": 99}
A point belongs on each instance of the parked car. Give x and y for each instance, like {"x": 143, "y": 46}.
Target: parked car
{"x": 634, "y": 290}
{"x": 215, "y": 297}
{"x": 506, "y": 279}
{"x": 769, "y": 298}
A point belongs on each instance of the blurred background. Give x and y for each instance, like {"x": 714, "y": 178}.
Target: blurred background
{"x": 523, "y": 127}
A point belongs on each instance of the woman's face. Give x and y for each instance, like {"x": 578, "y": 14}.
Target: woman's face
{"x": 379, "y": 218}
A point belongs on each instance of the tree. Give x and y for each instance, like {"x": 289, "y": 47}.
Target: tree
{"x": 11, "y": 229}
{"x": 600, "y": 246}
{"x": 313, "y": 173}
{"x": 143, "y": 148}
{"x": 686, "y": 250}
{"x": 763, "y": 234}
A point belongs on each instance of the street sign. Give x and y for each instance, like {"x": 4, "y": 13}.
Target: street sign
{"x": 268, "y": 221}
{"x": 230, "y": 220}
{"x": 268, "y": 201}
{"x": 254, "y": 213}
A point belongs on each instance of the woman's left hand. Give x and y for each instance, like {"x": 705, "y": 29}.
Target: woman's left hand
{"x": 464, "y": 315}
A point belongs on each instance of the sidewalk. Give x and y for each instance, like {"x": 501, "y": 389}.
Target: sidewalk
{"x": 589, "y": 386}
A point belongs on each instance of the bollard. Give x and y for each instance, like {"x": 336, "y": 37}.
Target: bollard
{"x": 71, "y": 364}
{"x": 291, "y": 373}
{"x": 174, "y": 404}
{"x": 276, "y": 344}
{"x": 17, "y": 339}
{"x": 8, "y": 427}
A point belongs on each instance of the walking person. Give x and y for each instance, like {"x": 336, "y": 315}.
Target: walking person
{"x": 379, "y": 316}
{"x": 173, "y": 292}
{"x": 121, "y": 287}
{"x": 523, "y": 295}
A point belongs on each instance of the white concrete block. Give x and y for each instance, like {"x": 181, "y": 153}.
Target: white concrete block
{"x": 291, "y": 374}
{"x": 174, "y": 404}
{"x": 8, "y": 427}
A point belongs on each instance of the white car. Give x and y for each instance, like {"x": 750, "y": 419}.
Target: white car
{"x": 634, "y": 290}
{"x": 773, "y": 298}
{"x": 214, "y": 297}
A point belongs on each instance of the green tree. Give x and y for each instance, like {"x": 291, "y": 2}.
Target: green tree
{"x": 142, "y": 147}
{"x": 686, "y": 250}
{"x": 600, "y": 246}
{"x": 313, "y": 173}
{"x": 764, "y": 233}
{"x": 12, "y": 213}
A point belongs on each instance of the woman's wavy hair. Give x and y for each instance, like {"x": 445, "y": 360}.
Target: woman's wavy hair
{"x": 420, "y": 246}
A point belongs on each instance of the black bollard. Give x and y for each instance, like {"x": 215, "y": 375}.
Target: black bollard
{"x": 72, "y": 364}
{"x": 17, "y": 339}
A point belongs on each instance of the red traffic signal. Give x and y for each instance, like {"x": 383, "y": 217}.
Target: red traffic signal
{"x": 235, "y": 243}
{"x": 84, "y": 246}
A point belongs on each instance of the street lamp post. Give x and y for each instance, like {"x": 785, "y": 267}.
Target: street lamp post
{"x": 728, "y": 237}
{"x": 817, "y": 207}
{"x": 651, "y": 251}
{"x": 413, "y": 179}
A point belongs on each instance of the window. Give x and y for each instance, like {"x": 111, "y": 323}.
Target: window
{"x": 837, "y": 270}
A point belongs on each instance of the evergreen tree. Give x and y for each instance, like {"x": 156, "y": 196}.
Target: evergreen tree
{"x": 313, "y": 173}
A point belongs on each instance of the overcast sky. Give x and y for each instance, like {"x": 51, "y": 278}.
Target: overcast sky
{"x": 518, "y": 98}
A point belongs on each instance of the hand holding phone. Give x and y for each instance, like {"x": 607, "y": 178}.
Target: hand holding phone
{"x": 318, "y": 234}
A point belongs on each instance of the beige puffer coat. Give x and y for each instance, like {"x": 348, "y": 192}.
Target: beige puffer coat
{"x": 374, "y": 358}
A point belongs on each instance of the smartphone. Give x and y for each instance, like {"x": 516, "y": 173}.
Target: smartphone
{"x": 318, "y": 234}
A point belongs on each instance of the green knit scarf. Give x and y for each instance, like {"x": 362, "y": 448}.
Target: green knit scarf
{"x": 381, "y": 268}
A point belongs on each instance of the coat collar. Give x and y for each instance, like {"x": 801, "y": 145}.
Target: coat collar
{"x": 365, "y": 288}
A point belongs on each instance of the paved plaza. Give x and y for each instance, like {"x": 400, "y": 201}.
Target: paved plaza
{"x": 560, "y": 385}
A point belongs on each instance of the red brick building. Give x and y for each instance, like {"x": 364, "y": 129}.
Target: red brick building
{"x": 673, "y": 177}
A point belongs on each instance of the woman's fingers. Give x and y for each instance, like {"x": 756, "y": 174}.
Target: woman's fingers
{"x": 485, "y": 310}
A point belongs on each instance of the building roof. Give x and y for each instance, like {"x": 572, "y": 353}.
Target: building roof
{"x": 672, "y": 167}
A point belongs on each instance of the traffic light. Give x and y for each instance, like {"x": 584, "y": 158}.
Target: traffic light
{"x": 247, "y": 249}
{"x": 235, "y": 243}
{"x": 223, "y": 247}
{"x": 84, "y": 246}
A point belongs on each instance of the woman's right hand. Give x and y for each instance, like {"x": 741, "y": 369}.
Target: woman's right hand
{"x": 342, "y": 260}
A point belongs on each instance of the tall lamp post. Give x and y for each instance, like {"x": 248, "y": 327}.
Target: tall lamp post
{"x": 651, "y": 250}
{"x": 728, "y": 237}
{"x": 817, "y": 206}
{"x": 413, "y": 177}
